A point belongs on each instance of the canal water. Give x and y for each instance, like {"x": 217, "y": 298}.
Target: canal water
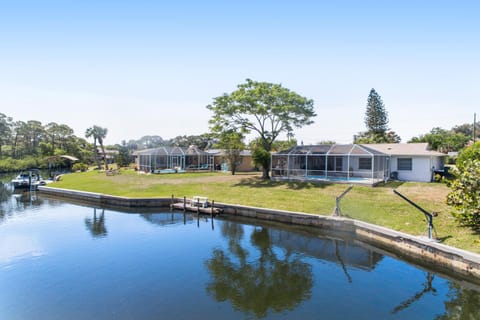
{"x": 60, "y": 260}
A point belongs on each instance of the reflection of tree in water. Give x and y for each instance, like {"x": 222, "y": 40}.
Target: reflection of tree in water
{"x": 463, "y": 304}
{"x": 5, "y": 194}
{"x": 96, "y": 226}
{"x": 269, "y": 283}
{"x": 16, "y": 201}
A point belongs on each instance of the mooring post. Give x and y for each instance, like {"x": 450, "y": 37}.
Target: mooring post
{"x": 184, "y": 203}
{"x": 428, "y": 215}
{"x": 337, "y": 211}
{"x": 213, "y": 205}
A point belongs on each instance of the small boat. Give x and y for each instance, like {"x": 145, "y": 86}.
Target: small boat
{"x": 30, "y": 178}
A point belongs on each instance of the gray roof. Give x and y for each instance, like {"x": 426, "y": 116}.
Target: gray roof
{"x": 221, "y": 152}
{"x": 331, "y": 149}
{"x": 391, "y": 149}
{"x": 404, "y": 149}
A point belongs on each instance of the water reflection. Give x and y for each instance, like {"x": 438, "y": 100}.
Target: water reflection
{"x": 96, "y": 224}
{"x": 164, "y": 219}
{"x": 463, "y": 304}
{"x": 427, "y": 287}
{"x": 273, "y": 281}
{"x": 15, "y": 201}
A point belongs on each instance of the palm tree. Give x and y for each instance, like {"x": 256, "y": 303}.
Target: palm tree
{"x": 98, "y": 134}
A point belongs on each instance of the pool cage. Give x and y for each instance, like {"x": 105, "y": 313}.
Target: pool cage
{"x": 176, "y": 159}
{"x": 339, "y": 163}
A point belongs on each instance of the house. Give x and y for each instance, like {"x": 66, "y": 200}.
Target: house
{"x": 219, "y": 158}
{"x": 411, "y": 161}
{"x": 172, "y": 158}
{"x": 355, "y": 163}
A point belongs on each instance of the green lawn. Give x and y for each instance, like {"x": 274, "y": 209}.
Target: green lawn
{"x": 377, "y": 205}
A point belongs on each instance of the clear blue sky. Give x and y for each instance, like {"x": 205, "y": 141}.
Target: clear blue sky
{"x": 150, "y": 67}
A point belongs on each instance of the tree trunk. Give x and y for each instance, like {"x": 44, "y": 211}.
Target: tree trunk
{"x": 104, "y": 156}
{"x": 265, "y": 174}
{"x": 95, "y": 154}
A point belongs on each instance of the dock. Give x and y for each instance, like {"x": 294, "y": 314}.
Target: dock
{"x": 199, "y": 205}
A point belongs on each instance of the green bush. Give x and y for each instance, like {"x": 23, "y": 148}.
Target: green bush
{"x": 465, "y": 194}
{"x": 79, "y": 166}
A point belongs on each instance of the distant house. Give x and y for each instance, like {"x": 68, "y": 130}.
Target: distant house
{"x": 221, "y": 163}
{"x": 352, "y": 163}
{"x": 172, "y": 158}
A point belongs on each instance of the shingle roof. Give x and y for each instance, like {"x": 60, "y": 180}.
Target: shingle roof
{"x": 404, "y": 149}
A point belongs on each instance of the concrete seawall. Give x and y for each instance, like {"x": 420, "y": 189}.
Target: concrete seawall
{"x": 421, "y": 251}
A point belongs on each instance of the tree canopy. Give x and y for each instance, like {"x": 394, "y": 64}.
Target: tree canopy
{"x": 264, "y": 108}
{"x": 376, "y": 117}
{"x": 98, "y": 133}
{"x": 446, "y": 140}
{"x": 376, "y": 121}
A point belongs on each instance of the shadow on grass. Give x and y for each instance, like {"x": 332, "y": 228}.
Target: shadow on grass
{"x": 256, "y": 182}
{"x": 390, "y": 184}
{"x": 442, "y": 239}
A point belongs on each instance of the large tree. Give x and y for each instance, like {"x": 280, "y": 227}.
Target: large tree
{"x": 265, "y": 108}
{"x": 376, "y": 117}
{"x": 376, "y": 121}
{"x": 98, "y": 133}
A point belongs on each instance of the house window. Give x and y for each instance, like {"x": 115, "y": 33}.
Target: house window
{"x": 365, "y": 163}
{"x": 404, "y": 164}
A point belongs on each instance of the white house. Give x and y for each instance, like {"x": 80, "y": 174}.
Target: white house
{"x": 357, "y": 163}
{"x": 411, "y": 161}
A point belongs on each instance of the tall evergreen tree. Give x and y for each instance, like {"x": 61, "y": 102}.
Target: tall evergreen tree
{"x": 376, "y": 117}
{"x": 376, "y": 120}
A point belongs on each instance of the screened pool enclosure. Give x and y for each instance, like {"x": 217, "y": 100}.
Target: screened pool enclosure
{"x": 339, "y": 163}
{"x": 173, "y": 159}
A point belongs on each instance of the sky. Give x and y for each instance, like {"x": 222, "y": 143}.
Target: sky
{"x": 151, "y": 67}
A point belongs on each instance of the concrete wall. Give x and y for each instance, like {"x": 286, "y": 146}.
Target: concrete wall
{"x": 449, "y": 261}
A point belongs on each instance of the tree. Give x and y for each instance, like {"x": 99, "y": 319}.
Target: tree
{"x": 443, "y": 140}
{"x": 376, "y": 120}
{"x": 98, "y": 134}
{"x": 123, "y": 157}
{"x": 376, "y": 117}
{"x": 5, "y": 131}
{"x": 469, "y": 153}
{"x": 232, "y": 143}
{"x": 465, "y": 194}
{"x": 202, "y": 141}
{"x": 372, "y": 137}
{"x": 265, "y": 108}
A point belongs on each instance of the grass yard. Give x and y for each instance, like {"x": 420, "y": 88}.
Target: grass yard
{"x": 377, "y": 205}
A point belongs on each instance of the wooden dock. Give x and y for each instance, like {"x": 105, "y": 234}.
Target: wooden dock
{"x": 189, "y": 205}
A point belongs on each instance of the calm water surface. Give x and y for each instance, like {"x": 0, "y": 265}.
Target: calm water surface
{"x": 65, "y": 261}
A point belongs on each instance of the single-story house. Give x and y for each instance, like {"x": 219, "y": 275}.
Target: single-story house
{"x": 172, "y": 159}
{"x": 357, "y": 163}
{"x": 411, "y": 161}
{"x": 245, "y": 163}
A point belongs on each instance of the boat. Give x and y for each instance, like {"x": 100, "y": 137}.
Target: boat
{"x": 30, "y": 178}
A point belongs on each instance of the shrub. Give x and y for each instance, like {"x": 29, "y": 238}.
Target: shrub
{"x": 465, "y": 194}
{"x": 79, "y": 166}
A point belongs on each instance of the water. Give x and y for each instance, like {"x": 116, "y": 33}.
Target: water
{"x": 60, "y": 260}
